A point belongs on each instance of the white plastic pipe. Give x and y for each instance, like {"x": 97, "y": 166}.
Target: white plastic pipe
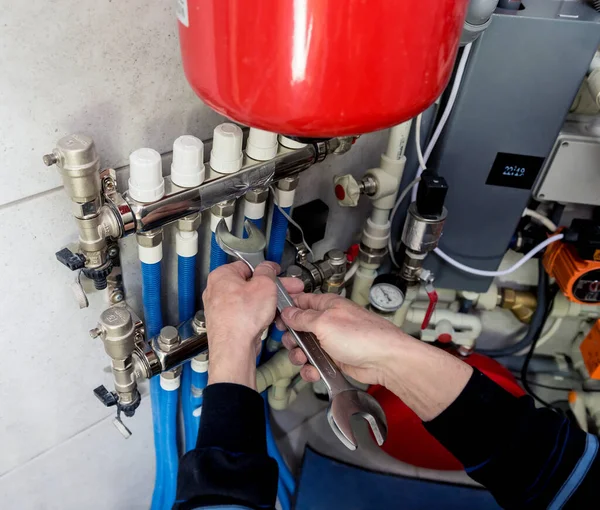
{"x": 277, "y": 368}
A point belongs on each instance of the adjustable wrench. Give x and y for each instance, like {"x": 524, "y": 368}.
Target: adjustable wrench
{"x": 345, "y": 401}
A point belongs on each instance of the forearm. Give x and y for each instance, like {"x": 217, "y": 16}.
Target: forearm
{"x": 230, "y": 464}
{"x": 527, "y": 457}
{"x": 425, "y": 378}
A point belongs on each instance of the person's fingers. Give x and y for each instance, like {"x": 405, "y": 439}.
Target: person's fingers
{"x": 310, "y": 373}
{"x": 293, "y": 285}
{"x": 320, "y": 302}
{"x": 301, "y": 320}
{"x": 297, "y": 357}
{"x": 279, "y": 324}
{"x": 288, "y": 341}
{"x": 270, "y": 269}
{"x": 238, "y": 268}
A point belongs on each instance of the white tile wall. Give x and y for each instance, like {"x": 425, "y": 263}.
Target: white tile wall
{"x": 110, "y": 69}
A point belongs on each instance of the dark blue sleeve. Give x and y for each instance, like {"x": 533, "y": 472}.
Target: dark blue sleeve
{"x": 526, "y": 457}
{"x": 230, "y": 465}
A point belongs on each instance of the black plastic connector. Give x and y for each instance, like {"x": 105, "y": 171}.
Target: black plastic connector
{"x": 73, "y": 261}
{"x": 585, "y": 236}
{"x": 431, "y": 195}
{"x": 99, "y": 275}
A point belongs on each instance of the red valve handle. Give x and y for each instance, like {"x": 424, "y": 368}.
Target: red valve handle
{"x": 433, "y": 299}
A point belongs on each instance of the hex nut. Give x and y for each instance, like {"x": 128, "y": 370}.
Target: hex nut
{"x": 330, "y": 287}
{"x": 121, "y": 364}
{"x": 190, "y": 223}
{"x": 150, "y": 239}
{"x": 223, "y": 209}
{"x": 199, "y": 322}
{"x": 168, "y": 338}
{"x": 85, "y": 209}
{"x": 257, "y": 195}
{"x": 172, "y": 374}
{"x": 288, "y": 183}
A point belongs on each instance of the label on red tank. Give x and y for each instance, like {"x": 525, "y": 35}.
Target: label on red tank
{"x": 587, "y": 287}
{"x": 181, "y": 9}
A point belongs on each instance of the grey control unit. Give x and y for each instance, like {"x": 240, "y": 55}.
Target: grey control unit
{"x": 508, "y": 114}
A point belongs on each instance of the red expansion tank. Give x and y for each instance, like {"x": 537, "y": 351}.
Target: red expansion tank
{"x": 319, "y": 68}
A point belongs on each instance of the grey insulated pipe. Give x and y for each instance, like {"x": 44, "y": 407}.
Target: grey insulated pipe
{"x": 479, "y": 17}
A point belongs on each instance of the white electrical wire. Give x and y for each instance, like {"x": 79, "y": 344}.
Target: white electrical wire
{"x": 547, "y": 222}
{"x": 401, "y": 198}
{"x": 460, "y": 71}
{"x": 418, "y": 142}
{"x": 514, "y": 267}
{"x": 351, "y": 272}
{"x": 289, "y": 218}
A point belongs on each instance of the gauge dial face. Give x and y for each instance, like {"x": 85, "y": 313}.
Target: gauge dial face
{"x": 386, "y": 297}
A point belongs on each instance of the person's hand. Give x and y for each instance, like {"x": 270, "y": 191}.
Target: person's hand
{"x": 239, "y": 306}
{"x": 374, "y": 351}
{"x": 359, "y": 341}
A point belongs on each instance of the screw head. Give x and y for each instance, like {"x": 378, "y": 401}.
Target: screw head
{"x": 50, "y": 159}
{"x": 116, "y": 296}
{"x": 113, "y": 252}
{"x": 95, "y": 332}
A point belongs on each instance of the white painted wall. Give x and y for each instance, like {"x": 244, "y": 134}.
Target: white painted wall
{"x": 110, "y": 69}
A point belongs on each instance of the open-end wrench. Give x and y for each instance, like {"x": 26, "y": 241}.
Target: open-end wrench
{"x": 345, "y": 401}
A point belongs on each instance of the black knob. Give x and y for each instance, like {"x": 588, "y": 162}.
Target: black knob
{"x": 72, "y": 260}
{"x": 108, "y": 398}
{"x": 431, "y": 195}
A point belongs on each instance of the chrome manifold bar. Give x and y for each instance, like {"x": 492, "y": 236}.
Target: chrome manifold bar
{"x": 136, "y": 217}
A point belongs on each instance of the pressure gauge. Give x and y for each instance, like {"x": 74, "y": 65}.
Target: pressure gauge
{"x": 387, "y": 294}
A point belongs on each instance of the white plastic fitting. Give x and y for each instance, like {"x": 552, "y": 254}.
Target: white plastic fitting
{"x": 467, "y": 328}
{"x": 261, "y": 145}
{"x": 146, "y": 183}
{"x": 226, "y": 156}
{"x": 186, "y": 243}
{"x": 279, "y": 367}
{"x": 289, "y": 143}
{"x": 187, "y": 169}
{"x": 170, "y": 384}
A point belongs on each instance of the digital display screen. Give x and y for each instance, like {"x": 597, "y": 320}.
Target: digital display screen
{"x": 514, "y": 170}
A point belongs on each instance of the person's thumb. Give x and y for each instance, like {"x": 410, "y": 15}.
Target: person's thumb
{"x": 300, "y": 320}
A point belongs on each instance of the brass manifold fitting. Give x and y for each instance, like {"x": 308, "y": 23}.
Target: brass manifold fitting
{"x": 521, "y": 303}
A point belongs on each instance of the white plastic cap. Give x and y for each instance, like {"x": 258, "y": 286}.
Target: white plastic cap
{"x": 261, "y": 145}
{"x": 187, "y": 169}
{"x": 146, "y": 183}
{"x": 226, "y": 156}
{"x": 289, "y": 143}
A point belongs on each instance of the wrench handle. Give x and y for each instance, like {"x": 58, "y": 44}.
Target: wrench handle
{"x": 317, "y": 357}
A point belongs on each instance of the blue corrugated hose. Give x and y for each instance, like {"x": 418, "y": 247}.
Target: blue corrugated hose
{"x": 286, "y": 479}
{"x": 198, "y": 383}
{"x": 258, "y": 222}
{"x": 151, "y": 285}
{"x": 170, "y": 455}
{"x": 186, "y": 284}
{"x": 217, "y": 256}
{"x": 279, "y": 226}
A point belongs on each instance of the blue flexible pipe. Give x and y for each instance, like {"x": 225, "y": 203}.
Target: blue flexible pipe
{"x": 217, "y": 256}
{"x": 170, "y": 401}
{"x": 198, "y": 383}
{"x": 279, "y": 226}
{"x": 186, "y": 284}
{"x": 151, "y": 286}
{"x": 285, "y": 475}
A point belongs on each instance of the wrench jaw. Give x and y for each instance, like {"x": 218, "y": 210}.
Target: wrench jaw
{"x": 349, "y": 403}
{"x": 243, "y": 249}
